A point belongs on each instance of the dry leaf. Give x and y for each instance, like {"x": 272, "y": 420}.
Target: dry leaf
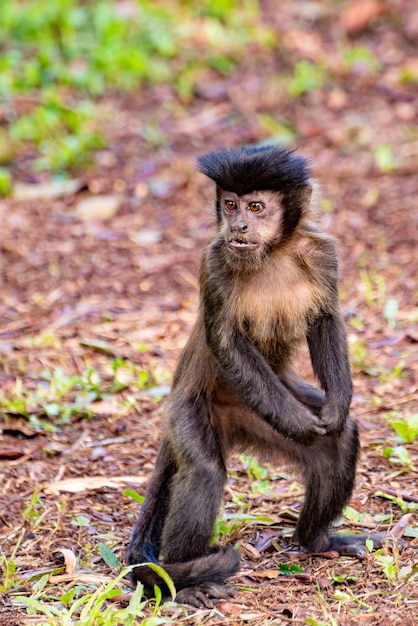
{"x": 53, "y": 189}
{"x": 399, "y": 528}
{"x": 247, "y": 617}
{"x": 77, "y": 485}
{"x": 265, "y": 538}
{"x": 98, "y": 207}
{"x": 359, "y": 14}
{"x": 252, "y": 553}
{"x": 229, "y": 608}
{"x": 80, "y": 578}
{"x": 266, "y": 573}
{"x": 70, "y": 560}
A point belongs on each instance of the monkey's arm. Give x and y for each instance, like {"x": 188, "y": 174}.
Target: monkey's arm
{"x": 253, "y": 379}
{"x": 329, "y": 354}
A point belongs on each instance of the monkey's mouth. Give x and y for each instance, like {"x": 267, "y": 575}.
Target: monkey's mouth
{"x": 241, "y": 244}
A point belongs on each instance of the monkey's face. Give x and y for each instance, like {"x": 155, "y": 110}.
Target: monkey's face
{"x": 250, "y": 224}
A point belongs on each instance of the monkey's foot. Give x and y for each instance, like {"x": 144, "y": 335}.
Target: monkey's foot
{"x": 355, "y": 545}
{"x": 202, "y": 595}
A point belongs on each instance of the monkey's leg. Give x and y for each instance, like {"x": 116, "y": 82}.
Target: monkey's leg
{"x": 330, "y": 471}
{"x": 329, "y": 466}
{"x": 146, "y": 534}
{"x": 195, "y": 497}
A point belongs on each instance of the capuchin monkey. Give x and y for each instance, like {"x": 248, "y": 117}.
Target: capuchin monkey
{"x": 268, "y": 281}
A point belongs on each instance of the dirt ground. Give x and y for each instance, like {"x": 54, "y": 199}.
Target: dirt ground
{"x": 111, "y": 297}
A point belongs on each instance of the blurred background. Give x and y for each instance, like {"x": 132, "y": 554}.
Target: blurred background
{"x": 104, "y": 106}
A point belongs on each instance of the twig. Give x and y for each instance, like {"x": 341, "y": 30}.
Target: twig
{"x": 408, "y": 497}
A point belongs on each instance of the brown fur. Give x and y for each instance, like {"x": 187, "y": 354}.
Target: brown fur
{"x": 268, "y": 281}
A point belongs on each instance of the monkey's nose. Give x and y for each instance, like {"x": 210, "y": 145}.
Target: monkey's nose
{"x": 240, "y": 227}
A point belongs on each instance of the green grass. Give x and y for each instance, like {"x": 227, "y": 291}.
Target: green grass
{"x": 55, "y": 396}
{"x": 81, "y": 606}
{"x": 58, "y": 56}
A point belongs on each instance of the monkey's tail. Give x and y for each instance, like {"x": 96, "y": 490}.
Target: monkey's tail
{"x": 215, "y": 567}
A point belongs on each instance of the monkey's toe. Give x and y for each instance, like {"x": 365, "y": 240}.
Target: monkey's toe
{"x": 355, "y": 545}
{"x": 204, "y": 594}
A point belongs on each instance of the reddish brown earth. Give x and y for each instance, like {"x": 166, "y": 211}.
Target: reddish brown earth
{"x": 78, "y": 293}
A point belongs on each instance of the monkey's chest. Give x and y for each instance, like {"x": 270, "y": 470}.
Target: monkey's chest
{"x": 275, "y": 309}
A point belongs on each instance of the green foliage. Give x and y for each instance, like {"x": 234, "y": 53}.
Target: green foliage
{"x": 81, "y": 521}
{"x": 32, "y": 511}
{"x": 352, "y": 514}
{"x": 313, "y": 622}
{"x": 384, "y": 158}
{"x": 341, "y": 579}
{"x": 387, "y": 563}
{"x": 406, "y": 507}
{"x": 280, "y": 131}
{"x": 361, "y": 57}
{"x": 57, "y": 396}
{"x": 307, "y": 77}
{"x": 289, "y": 569}
{"x": 399, "y": 455}
{"x": 63, "y": 135}
{"x": 374, "y": 287}
{"x": 8, "y": 568}
{"x": 66, "y": 53}
{"x": 229, "y": 524}
{"x": 108, "y": 556}
{"x": 5, "y": 182}
{"x": 254, "y": 470}
{"x": 130, "y": 493}
{"x": 405, "y": 427}
{"x": 78, "y": 608}
{"x": 390, "y": 311}
{"x": 257, "y": 473}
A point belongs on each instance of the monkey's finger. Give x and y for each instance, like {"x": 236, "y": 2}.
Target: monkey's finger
{"x": 319, "y": 428}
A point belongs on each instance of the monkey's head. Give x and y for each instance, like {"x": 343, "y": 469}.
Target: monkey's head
{"x": 262, "y": 192}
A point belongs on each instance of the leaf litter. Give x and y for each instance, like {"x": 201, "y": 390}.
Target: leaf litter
{"x": 118, "y": 291}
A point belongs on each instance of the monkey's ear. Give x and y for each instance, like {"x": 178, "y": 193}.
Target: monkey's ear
{"x": 305, "y": 195}
{"x": 296, "y": 203}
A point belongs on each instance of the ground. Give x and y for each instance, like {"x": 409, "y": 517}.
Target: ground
{"x": 97, "y": 302}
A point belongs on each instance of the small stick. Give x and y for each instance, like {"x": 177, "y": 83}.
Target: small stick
{"x": 408, "y": 497}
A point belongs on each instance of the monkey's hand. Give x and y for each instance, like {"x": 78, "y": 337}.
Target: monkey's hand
{"x": 303, "y": 426}
{"x": 333, "y": 417}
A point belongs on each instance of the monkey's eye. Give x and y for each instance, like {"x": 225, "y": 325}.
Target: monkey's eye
{"x": 230, "y": 205}
{"x": 256, "y": 206}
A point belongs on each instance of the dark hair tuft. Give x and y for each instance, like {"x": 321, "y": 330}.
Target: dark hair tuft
{"x": 250, "y": 168}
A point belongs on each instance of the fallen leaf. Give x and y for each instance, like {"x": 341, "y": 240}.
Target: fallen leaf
{"x": 53, "y": 189}
{"x": 146, "y": 237}
{"x": 230, "y": 608}
{"x": 359, "y": 14}
{"x": 412, "y": 334}
{"x": 78, "y": 485}
{"x": 69, "y": 560}
{"x": 266, "y": 573}
{"x": 9, "y": 454}
{"x": 324, "y": 583}
{"x": 247, "y": 617}
{"x": 80, "y": 578}
{"x": 98, "y": 207}
{"x": 98, "y": 345}
{"x": 265, "y": 538}
{"x": 248, "y": 550}
{"x": 105, "y": 407}
{"x": 399, "y": 528}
